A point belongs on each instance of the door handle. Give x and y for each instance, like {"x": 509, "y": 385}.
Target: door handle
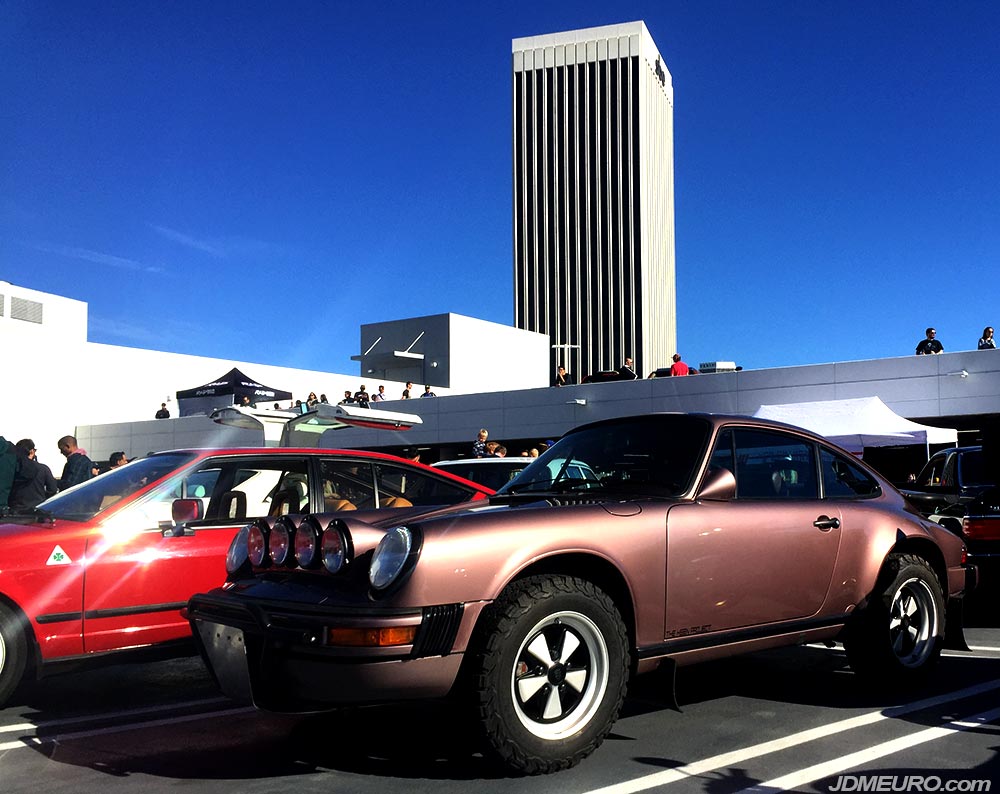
{"x": 825, "y": 522}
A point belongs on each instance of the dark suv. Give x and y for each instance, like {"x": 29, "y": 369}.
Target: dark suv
{"x": 951, "y": 477}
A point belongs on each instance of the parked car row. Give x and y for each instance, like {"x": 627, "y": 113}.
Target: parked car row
{"x": 492, "y": 472}
{"x": 664, "y": 539}
{"x": 108, "y": 565}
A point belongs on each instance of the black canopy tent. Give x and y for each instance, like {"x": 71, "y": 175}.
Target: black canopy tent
{"x": 229, "y": 389}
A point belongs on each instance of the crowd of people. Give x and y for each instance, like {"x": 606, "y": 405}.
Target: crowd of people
{"x": 930, "y": 345}
{"x": 482, "y": 447}
{"x": 26, "y": 482}
{"x": 627, "y": 372}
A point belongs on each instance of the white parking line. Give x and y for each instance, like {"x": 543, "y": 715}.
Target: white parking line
{"x": 832, "y": 767}
{"x": 113, "y": 715}
{"x": 775, "y": 745}
{"x": 32, "y": 739}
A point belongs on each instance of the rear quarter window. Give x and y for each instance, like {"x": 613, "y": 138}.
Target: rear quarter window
{"x": 843, "y": 478}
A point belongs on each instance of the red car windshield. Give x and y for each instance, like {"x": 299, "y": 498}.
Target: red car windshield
{"x": 84, "y": 501}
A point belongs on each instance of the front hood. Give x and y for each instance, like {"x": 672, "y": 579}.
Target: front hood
{"x": 23, "y": 525}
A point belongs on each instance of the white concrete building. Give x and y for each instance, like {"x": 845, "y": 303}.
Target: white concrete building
{"x": 57, "y": 381}
{"x": 593, "y": 186}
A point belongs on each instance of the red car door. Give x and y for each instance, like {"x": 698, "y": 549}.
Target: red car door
{"x": 139, "y": 577}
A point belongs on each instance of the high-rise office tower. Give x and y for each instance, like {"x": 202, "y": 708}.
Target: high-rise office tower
{"x": 594, "y": 197}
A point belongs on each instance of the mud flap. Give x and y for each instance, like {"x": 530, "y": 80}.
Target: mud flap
{"x": 668, "y": 668}
{"x": 954, "y": 626}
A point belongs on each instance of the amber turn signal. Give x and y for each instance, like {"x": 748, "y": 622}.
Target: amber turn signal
{"x": 372, "y": 638}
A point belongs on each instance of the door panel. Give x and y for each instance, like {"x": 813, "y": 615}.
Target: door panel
{"x": 137, "y": 579}
{"x": 746, "y": 563}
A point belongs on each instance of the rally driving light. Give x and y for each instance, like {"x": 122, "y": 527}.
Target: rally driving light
{"x": 238, "y": 553}
{"x": 307, "y": 542}
{"x": 257, "y": 543}
{"x": 334, "y": 547}
{"x": 390, "y": 557}
{"x": 279, "y": 543}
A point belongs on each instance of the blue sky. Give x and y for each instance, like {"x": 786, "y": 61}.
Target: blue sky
{"x": 254, "y": 181}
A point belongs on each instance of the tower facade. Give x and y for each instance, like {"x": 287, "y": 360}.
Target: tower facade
{"x": 594, "y": 197}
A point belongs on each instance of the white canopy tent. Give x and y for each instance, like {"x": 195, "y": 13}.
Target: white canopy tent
{"x": 858, "y": 423}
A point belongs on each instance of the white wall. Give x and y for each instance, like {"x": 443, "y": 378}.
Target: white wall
{"x": 55, "y": 380}
{"x": 489, "y": 357}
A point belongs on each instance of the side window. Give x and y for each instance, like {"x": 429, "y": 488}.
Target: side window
{"x": 262, "y": 488}
{"x": 722, "y": 455}
{"x": 157, "y": 507}
{"x": 948, "y": 476}
{"x": 932, "y": 472}
{"x": 404, "y": 487}
{"x": 971, "y": 469}
{"x": 773, "y": 465}
{"x": 844, "y": 478}
{"x": 347, "y": 484}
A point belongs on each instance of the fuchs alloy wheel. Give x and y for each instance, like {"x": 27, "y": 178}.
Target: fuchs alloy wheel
{"x": 13, "y": 653}
{"x": 899, "y": 633}
{"x": 552, "y": 668}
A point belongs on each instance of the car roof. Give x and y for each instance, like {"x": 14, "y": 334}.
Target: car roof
{"x": 483, "y": 461}
{"x": 209, "y": 452}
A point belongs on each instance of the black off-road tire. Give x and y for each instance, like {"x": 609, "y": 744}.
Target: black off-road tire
{"x": 13, "y": 652}
{"x": 896, "y": 638}
{"x": 549, "y": 670}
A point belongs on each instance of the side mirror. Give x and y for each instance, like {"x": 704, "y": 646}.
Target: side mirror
{"x": 719, "y": 485}
{"x": 183, "y": 510}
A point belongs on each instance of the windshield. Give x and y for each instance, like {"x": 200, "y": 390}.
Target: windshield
{"x": 656, "y": 455}
{"x": 84, "y": 501}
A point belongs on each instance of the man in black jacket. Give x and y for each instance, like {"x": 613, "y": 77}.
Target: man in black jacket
{"x": 78, "y": 466}
{"x": 8, "y": 469}
{"x": 34, "y": 482}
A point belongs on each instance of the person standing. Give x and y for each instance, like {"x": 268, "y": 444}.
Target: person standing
{"x": 34, "y": 482}
{"x": 379, "y": 396}
{"x": 479, "y": 445}
{"x": 8, "y": 469}
{"x": 563, "y": 378}
{"x": 931, "y": 345}
{"x": 163, "y": 413}
{"x": 626, "y": 371}
{"x": 78, "y": 466}
{"x": 679, "y": 367}
{"x": 986, "y": 342}
{"x": 406, "y": 391}
{"x": 428, "y": 392}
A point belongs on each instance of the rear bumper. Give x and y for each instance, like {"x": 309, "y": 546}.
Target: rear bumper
{"x": 277, "y": 657}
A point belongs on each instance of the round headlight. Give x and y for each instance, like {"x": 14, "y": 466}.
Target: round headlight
{"x": 390, "y": 557}
{"x": 279, "y": 543}
{"x": 307, "y": 542}
{"x": 238, "y": 554}
{"x": 334, "y": 548}
{"x": 257, "y": 543}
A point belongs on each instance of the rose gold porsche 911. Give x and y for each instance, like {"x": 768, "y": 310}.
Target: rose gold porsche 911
{"x": 632, "y": 542}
